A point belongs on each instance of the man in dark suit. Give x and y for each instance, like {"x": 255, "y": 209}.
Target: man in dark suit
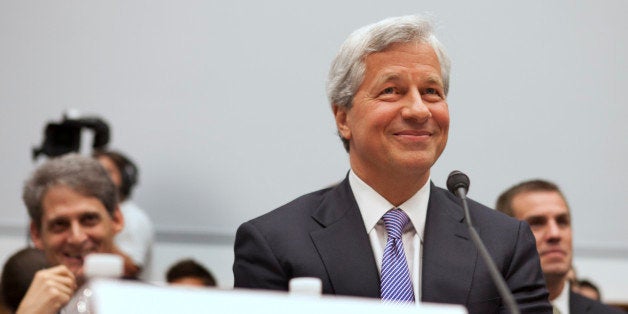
{"x": 544, "y": 207}
{"x": 387, "y": 87}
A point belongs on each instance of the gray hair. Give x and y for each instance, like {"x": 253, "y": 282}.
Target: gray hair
{"x": 80, "y": 173}
{"x": 348, "y": 67}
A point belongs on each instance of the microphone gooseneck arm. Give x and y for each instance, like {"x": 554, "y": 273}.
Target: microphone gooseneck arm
{"x": 458, "y": 183}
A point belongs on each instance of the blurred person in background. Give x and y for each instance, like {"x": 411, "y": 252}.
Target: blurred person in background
{"x": 137, "y": 237}
{"x": 544, "y": 207}
{"x": 188, "y": 272}
{"x": 18, "y": 273}
{"x": 588, "y": 289}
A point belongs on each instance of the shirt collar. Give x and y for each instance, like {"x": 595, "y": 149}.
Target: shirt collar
{"x": 373, "y": 206}
{"x": 562, "y": 301}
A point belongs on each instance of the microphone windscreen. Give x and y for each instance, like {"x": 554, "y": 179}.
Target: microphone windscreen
{"x": 456, "y": 180}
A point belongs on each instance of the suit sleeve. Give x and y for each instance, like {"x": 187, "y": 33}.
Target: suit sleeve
{"x": 525, "y": 277}
{"x": 255, "y": 266}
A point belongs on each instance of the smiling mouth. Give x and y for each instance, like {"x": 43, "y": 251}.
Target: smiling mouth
{"x": 413, "y": 133}
{"x": 413, "y": 136}
{"x": 75, "y": 259}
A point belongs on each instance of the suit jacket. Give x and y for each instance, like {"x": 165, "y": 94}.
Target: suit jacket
{"x": 579, "y": 304}
{"x": 322, "y": 235}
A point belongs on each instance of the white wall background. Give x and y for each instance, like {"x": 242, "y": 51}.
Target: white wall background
{"x": 223, "y": 106}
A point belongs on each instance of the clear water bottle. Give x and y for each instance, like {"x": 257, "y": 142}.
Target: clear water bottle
{"x": 96, "y": 266}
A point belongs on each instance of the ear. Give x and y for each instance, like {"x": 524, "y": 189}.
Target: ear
{"x": 36, "y": 236}
{"x": 117, "y": 220}
{"x": 340, "y": 114}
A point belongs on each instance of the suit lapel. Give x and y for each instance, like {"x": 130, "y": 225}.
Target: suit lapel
{"x": 577, "y": 303}
{"x": 344, "y": 246}
{"x": 449, "y": 255}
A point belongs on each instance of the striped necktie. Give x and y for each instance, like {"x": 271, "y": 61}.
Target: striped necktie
{"x": 396, "y": 283}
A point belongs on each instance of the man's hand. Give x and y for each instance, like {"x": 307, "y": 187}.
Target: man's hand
{"x": 50, "y": 290}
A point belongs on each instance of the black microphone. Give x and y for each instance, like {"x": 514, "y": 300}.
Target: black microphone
{"x": 458, "y": 184}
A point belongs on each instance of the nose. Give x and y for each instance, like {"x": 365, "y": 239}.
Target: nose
{"x": 415, "y": 109}
{"x": 77, "y": 234}
{"x": 553, "y": 232}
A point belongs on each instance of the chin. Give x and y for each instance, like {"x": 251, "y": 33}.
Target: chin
{"x": 555, "y": 270}
{"x": 416, "y": 161}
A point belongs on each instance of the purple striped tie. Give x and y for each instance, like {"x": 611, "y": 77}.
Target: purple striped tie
{"x": 396, "y": 283}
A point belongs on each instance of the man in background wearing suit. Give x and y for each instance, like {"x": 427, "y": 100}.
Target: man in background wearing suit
{"x": 544, "y": 207}
{"x": 387, "y": 88}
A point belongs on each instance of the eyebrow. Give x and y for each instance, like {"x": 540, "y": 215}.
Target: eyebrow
{"x": 564, "y": 215}
{"x": 388, "y": 77}
{"x": 391, "y": 76}
{"x": 543, "y": 217}
{"x": 56, "y": 219}
{"x": 536, "y": 217}
{"x": 434, "y": 79}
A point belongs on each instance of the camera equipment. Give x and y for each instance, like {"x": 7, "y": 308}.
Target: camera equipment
{"x": 65, "y": 136}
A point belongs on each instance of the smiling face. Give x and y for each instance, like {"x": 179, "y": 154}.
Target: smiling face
{"x": 73, "y": 226}
{"x": 399, "y": 120}
{"x": 548, "y": 215}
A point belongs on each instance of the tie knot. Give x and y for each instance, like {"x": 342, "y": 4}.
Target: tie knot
{"x": 394, "y": 221}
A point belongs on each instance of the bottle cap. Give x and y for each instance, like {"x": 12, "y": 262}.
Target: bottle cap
{"x": 101, "y": 265}
{"x": 310, "y": 286}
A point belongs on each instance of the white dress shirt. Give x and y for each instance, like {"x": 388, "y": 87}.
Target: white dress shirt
{"x": 562, "y": 301}
{"x": 373, "y": 206}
